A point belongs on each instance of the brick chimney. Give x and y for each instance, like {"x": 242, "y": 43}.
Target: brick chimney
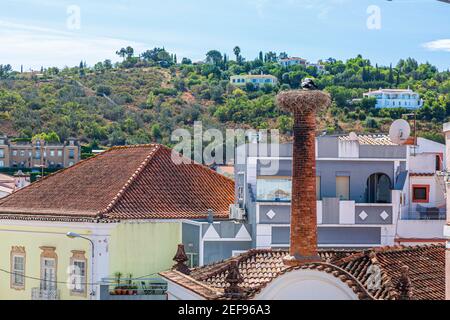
{"x": 447, "y": 227}
{"x": 303, "y": 237}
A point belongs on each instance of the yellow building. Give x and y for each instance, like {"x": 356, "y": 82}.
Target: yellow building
{"x": 124, "y": 210}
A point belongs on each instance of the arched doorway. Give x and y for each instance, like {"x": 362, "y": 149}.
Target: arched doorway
{"x": 378, "y": 188}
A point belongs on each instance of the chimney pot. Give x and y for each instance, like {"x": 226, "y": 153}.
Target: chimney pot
{"x": 181, "y": 259}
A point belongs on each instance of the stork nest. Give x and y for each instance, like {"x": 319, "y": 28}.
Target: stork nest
{"x": 303, "y": 101}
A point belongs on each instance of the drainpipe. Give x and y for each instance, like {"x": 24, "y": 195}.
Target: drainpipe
{"x": 447, "y": 227}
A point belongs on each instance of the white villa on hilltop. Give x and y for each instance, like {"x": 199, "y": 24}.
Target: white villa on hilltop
{"x": 256, "y": 79}
{"x": 396, "y": 98}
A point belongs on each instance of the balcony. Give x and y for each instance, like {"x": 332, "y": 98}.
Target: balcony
{"x": 133, "y": 289}
{"x": 423, "y": 213}
{"x": 332, "y": 211}
{"x": 41, "y": 294}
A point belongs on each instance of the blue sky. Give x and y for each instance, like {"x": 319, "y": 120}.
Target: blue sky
{"x": 35, "y": 32}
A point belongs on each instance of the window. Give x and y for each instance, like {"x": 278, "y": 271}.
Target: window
{"x": 343, "y": 188}
{"x": 2, "y": 153}
{"x": 318, "y": 189}
{"x": 421, "y": 193}
{"x": 71, "y": 154}
{"x": 14, "y": 152}
{"x": 22, "y": 153}
{"x": 438, "y": 163}
{"x": 59, "y": 153}
{"x": 378, "y": 188}
{"x": 38, "y": 154}
{"x": 48, "y": 269}
{"x": 273, "y": 189}
{"x": 240, "y": 190}
{"x": 193, "y": 259}
{"x": 48, "y": 275}
{"x": 18, "y": 268}
{"x": 78, "y": 268}
{"x": 52, "y": 153}
{"x": 2, "y": 163}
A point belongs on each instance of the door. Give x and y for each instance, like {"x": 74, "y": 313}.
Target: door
{"x": 343, "y": 188}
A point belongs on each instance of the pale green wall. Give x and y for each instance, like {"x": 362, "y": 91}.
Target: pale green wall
{"x": 32, "y": 238}
{"x": 139, "y": 248}
{"x": 143, "y": 248}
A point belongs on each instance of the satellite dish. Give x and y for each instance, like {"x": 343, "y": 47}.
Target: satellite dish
{"x": 399, "y": 131}
{"x": 353, "y": 136}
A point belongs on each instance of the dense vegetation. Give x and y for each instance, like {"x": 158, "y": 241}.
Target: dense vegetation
{"x": 144, "y": 97}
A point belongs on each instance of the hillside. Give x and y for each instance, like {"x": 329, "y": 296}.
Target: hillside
{"x": 145, "y": 98}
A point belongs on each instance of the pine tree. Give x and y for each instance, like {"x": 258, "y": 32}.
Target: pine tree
{"x": 391, "y": 75}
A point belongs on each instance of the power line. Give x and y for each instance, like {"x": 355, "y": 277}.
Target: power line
{"x": 63, "y": 282}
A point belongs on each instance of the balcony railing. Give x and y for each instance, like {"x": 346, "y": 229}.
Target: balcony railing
{"x": 133, "y": 289}
{"x": 41, "y": 294}
{"x": 424, "y": 215}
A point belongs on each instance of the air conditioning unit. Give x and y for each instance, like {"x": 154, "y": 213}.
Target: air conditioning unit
{"x": 237, "y": 213}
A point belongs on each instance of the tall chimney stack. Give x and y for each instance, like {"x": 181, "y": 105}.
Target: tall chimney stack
{"x": 447, "y": 227}
{"x": 303, "y": 237}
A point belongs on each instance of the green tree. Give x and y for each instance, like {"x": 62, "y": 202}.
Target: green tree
{"x": 237, "y": 53}
{"x": 214, "y": 57}
{"x": 156, "y": 132}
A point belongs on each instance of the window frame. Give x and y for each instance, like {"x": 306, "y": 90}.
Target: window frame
{"x": 48, "y": 253}
{"x": 348, "y": 182}
{"x": 278, "y": 179}
{"x": 79, "y": 256}
{"x": 427, "y": 193}
{"x": 17, "y": 251}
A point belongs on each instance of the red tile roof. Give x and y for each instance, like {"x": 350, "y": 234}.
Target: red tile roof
{"x": 132, "y": 182}
{"x": 422, "y": 174}
{"x": 259, "y": 267}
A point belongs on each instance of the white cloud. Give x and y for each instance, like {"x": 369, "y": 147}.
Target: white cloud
{"x": 35, "y": 46}
{"x": 438, "y": 45}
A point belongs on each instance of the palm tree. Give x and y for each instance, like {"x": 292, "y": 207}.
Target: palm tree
{"x": 122, "y": 52}
{"x": 237, "y": 52}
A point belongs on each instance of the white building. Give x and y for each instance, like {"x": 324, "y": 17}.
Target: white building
{"x": 257, "y": 80}
{"x": 9, "y": 184}
{"x": 293, "y": 61}
{"x": 396, "y": 98}
{"x": 319, "y": 66}
{"x": 371, "y": 193}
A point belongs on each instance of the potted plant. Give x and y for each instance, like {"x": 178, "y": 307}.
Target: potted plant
{"x": 118, "y": 289}
{"x": 129, "y": 286}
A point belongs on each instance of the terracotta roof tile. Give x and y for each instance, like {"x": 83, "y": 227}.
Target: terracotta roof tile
{"x": 374, "y": 139}
{"x": 259, "y": 267}
{"x": 422, "y": 174}
{"x": 133, "y": 182}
